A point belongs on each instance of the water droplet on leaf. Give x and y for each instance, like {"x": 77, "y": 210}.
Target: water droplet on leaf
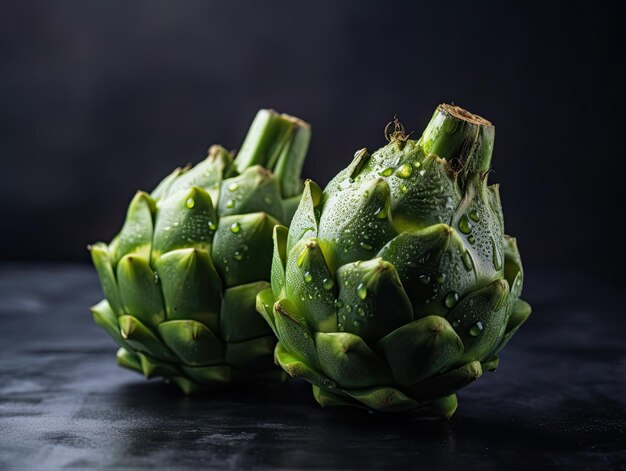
{"x": 424, "y": 279}
{"x": 476, "y": 329}
{"x": 451, "y": 299}
{"x": 464, "y": 225}
{"x": 404, "y": 171}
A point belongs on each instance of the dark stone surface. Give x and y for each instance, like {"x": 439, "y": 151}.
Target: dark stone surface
{"x": 557, "y": 399}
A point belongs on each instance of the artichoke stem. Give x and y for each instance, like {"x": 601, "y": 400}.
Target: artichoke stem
{"x": 278, "y": 142}
{"x": 462, "y": 138}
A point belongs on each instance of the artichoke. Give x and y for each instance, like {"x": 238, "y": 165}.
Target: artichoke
{"x": 181, "y": 278}
{"x": 396, "y": 286}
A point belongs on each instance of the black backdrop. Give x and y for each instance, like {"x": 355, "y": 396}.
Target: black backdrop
{"x": 100, "y": 98}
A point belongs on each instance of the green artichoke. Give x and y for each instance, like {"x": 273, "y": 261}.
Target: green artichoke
{"x": 181, "y": 278}
{"x": 396, "y": 286}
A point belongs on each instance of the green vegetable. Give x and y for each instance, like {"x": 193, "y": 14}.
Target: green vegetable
{"x": 396, "y": 286}
{"x": 181, "y": 278}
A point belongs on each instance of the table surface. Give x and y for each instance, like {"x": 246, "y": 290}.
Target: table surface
{"x": 558, "y": 398}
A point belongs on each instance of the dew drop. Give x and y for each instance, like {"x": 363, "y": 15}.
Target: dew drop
{"x": 441, "y": 277}
{"x": 403, "y": 188}
{"x": 339, "y": 303}
{"x": 356, "y": 323}
{"x": 464, "y": 225}
{"x": 239, "y": 254}
{"x": 328, "y": 283}
{"x": 307, "y": 277}
{"x": 451, "y": 299}
{"x": 476, "y": 329}
{"x": 235, "y": 228}
{"x": 212, "y": 226}
{"x": 345, "y": 184}
{"x": 361, "y": 291}
{"x": 230, "y": 204}
{"x": 404, "y": 171}
{"x": 424, "y": 279}
{"x": 233, "y": 186}
{"x": 366, "y": 246}
{"x": 387, "y": 172}
{"x": 473, "y": 214}
{"x": 190, "y": 203}
{"x": 360, "y": 311}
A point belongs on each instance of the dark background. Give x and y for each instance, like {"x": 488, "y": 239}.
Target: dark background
{"x": 100, "y": 98}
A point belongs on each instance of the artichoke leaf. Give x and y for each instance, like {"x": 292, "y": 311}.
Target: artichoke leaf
{"x": 309, "y": 284}
{"x": 255, "y": 190}
{"x": 128, "y": 359}
{"x": 251, "y": 354}
{"x": 348, "y": 361}
{"x": 162, "y": 188}
{"x": 384, "y": 399}
{"x": 264, "y": 305}
{"x": 305, "y": 220}
{"x": 372, "y": 301}
{"x": 136, "y": 234}
{"x": 239, "y": 319}
{"x": 520, "y": 312}
{"x": 356, "y": 222}
{"x": 152, "y": 367}
{"x": 432, "y": 266}
{"x": 421, "y": 349}
{"x": 193, "y": 342}
{"x": 242, "y": 248}
{"x": 218, "y": 374}
{"x": 446, "y": 383}
{"x": 191, "y": 286}
{"x": 184, "y": 220}
{"x": 207, "y": 175}
{"x": 104, "y": 316}
{"x": 189, "y": 386}
{"x": 480, "y": 320}
{"x": 293, "y": 332}
{"x": 296, "y": 368}
{"x": 102, "y": 262}
{"x": 326, "y": 398}
{"x": 141, "y": 339}
{"x": 139, "y": 290}
{"x": 279, "y": 259}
